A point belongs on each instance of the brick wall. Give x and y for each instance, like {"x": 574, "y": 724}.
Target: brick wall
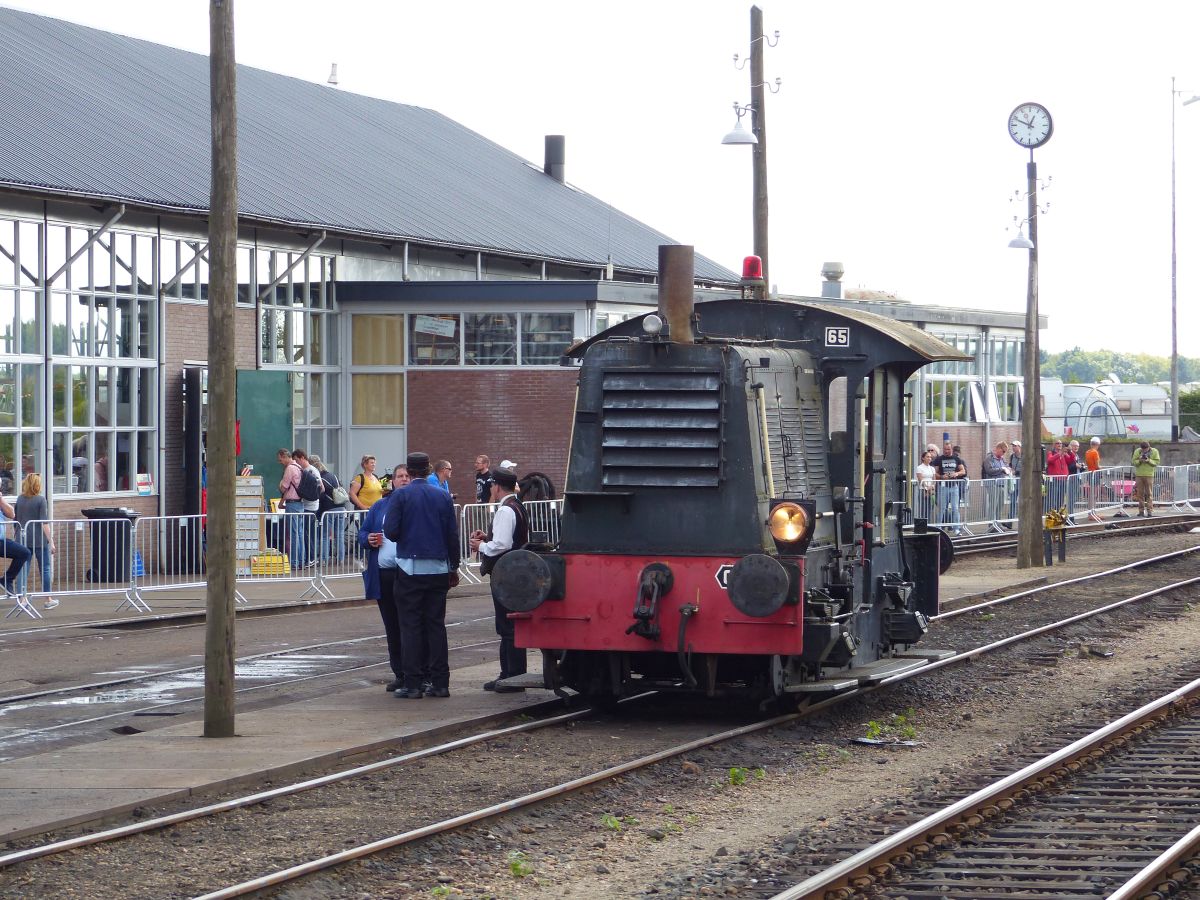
{"x": 187, "y": 339}
{"x": 972, "y": 439}
{"x": 509, "y": 414}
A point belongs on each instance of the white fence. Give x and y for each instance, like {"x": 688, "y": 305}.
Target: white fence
{"x": 990, "y": 504}
{"x": 132, "y": 559}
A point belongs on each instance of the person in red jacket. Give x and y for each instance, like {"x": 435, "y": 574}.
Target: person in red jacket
{"x": 1056, "y": 475}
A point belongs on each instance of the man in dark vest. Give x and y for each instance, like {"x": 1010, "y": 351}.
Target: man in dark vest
{"x": 509, "y": 531}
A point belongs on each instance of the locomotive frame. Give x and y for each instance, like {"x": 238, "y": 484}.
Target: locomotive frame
{"x": 734, "y": 510}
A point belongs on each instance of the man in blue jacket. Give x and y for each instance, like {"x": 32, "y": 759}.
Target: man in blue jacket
{"x": 420, "y": 521}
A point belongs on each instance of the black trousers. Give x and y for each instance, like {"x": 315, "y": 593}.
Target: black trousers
{"x": 391, "y": 619}
{"x": 512, "y": 658}
{"x": 421, "y": 601}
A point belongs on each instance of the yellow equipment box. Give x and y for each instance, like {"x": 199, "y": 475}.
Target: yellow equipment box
{"x": 269, "y": 564}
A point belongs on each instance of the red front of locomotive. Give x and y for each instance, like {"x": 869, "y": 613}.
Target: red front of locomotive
{"x": 668, "y": 604}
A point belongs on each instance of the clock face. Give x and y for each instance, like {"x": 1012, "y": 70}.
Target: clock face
{"x": 1030, "y": 125}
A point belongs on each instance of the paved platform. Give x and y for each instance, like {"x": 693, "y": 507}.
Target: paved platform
{"x": 107, "y": 778}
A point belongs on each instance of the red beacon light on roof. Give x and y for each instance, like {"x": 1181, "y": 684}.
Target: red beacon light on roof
{"x": 752, "y": 273}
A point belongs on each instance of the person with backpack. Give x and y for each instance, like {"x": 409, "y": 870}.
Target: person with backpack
{"x": 509, "y": 531}
{"x": 331, "y": 528}
{"x": 365, "y": 488}
{"x": 309, "y": 489}
{"x": 293, "y": 507}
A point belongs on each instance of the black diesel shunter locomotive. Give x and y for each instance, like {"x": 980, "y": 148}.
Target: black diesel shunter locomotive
{"x": 734, "y": 506}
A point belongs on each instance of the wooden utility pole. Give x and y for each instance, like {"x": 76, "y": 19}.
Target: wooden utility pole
{"x": 758, "y": 103}
{"x": 1030, "y": 552}
{"x": 222, "y": 376}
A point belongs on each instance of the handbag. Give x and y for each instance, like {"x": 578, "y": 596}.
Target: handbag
{"x": 339, "y": 496}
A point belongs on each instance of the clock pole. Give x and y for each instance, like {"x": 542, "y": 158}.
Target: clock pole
{"x": 1029, "y": 520}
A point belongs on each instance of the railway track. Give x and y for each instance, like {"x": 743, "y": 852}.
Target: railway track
{"x": 994, "y": 542}
{"x": 1115, "y": 813}
{"x": 508, "y": 801}
{"x": 34, "y": 720}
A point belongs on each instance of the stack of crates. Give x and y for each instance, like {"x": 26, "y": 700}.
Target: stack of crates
{"x": 270, "y": 562}
{"x": 251, "y": 526}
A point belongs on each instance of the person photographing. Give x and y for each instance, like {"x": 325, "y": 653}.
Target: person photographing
{"x": 509, "y": 531}
{"x": 1145, "y": 464}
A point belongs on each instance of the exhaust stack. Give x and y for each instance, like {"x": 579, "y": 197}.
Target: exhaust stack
{"x": 556, "y": 157}
{"x": 676, "y": 289}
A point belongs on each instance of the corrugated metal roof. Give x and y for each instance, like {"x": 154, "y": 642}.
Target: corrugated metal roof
{"x": 86, "y": 112}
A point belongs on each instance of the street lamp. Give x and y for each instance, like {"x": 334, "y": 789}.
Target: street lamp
{"x": 1174, "y": 324}
{"x": 739, "y": 135}
{"x": 756, "y": 137}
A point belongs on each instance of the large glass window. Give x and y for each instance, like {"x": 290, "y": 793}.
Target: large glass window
{"x": 102, "y": 415}
{"x": 101, "y": 299}
{"x": 378, "y": 398}
{"x": 491, "y": 339}
{"x": 433, "y": 340}
{"x": 377, "y": 340}
{"x": 544, "y": 337}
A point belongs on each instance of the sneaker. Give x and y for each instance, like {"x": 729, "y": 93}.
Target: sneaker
{"x": 427, "y": 686}
{"x": 393, "y": 686}
{"x": 51, "y": 604}
{"x": 490, "y": 685}
{"x": 437, "y": 691}
{"x": 409, "y": 694}
{"x": 508, "y": 689}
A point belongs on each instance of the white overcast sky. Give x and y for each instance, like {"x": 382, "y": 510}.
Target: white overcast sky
{"x": 887, "y": 145}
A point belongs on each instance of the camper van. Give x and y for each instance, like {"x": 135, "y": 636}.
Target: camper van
{"x": 1106, "y": 408}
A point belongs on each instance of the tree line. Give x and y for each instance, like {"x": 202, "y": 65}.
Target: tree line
{"x": 1078, "y": 366}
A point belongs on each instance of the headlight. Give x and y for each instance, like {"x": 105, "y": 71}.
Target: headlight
{"x": 789, "y": 522}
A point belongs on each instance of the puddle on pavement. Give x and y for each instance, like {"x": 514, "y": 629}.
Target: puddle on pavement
{"x": 180, "y": 685}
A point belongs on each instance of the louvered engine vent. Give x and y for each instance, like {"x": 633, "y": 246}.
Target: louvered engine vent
{"x": 662, "y": 429}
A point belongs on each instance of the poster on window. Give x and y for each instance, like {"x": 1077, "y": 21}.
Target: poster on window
{"x": 435, "y": 325}
{"x": 145, "y": 484}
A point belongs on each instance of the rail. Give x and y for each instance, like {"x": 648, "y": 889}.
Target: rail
{"x": 134, "y": 558}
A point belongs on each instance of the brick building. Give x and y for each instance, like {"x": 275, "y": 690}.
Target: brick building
{"x": 412, "y": 283}
{"x": 403, "y": 282}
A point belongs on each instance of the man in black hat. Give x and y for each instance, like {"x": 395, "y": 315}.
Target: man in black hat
{"x": 509, "y": 531}
{"x": 420, "y": 521}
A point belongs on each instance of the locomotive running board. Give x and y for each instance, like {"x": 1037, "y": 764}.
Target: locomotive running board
{"x": 873, "y": 673}
{"x": 527, "y": 680}
{"x": 929, "y": 655}
{"x": 831, "y": 685}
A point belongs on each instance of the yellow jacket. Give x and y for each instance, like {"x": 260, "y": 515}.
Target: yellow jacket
{"x": 1147, "y": 464}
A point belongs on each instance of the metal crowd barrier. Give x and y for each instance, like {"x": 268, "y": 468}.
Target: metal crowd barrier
{"x": 976, "y": 506}
{"x": 543, "y": 517}
{"x": 132, "y": 559}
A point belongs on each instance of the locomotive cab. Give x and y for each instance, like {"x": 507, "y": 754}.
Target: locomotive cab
{"x": 733, "y": 513}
